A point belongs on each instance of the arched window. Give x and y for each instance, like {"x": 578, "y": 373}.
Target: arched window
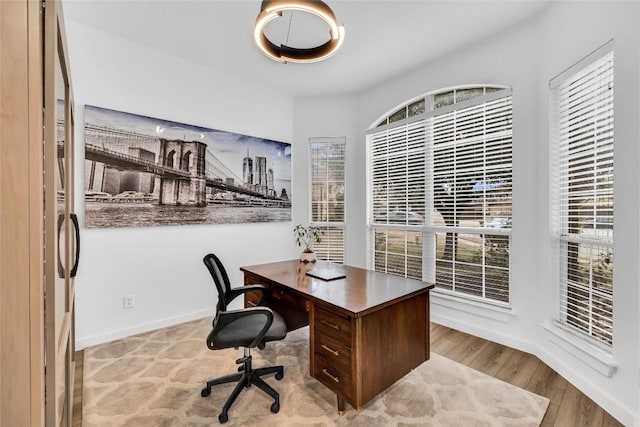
{"x": 171, "y": 158}
{"x": 439, "y": 190}
{"x": 186, "y": 159}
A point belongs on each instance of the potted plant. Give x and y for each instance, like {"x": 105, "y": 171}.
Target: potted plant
{"x": 307, "y": 237}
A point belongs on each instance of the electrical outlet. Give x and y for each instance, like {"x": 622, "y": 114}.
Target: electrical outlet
{"x": 127, "y": 301}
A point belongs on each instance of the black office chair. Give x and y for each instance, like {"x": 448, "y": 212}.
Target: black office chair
{"x": 248, "y": 328}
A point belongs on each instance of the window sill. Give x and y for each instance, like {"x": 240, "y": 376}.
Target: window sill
{"x": 592, "y": 355}
{"x": 500, "y": 312}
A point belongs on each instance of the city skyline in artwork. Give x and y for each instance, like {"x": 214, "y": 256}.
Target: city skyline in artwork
{"x": 143, "y": 171}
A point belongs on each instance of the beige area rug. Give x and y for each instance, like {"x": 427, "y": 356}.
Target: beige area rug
{"x": 154, "y": 379}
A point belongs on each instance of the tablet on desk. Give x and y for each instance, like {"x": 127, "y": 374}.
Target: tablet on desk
{"x": 327, "y": 272}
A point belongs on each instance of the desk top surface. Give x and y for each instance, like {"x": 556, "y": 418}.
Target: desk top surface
{"x": 361, "y": 291}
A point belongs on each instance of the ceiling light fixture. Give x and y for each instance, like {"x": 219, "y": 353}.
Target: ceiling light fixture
{"x": 271, "y": 9}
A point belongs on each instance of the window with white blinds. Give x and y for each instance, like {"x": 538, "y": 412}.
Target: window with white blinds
{"x": 582, "y": 139}
{"x": 327, "y": 168}
{"x": 397, "y": 190}
{"x": 472, "y": 175}
{"x": 439, "y": 188}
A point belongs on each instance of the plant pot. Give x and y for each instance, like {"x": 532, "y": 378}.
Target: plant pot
{"x": 308, "y": 256}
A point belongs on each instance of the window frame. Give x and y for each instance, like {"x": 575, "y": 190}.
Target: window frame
{"x": 563, "y": 235}
{"x": 328, "y": 225}
{"x": 428, "y": 230}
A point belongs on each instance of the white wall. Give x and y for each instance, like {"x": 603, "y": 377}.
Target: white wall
{"x": 525, "y": 58}
{"x": 332, "y": 116}
{"x": 570, "y": 31}
{"x": 162, "y": 266}
{"x": 509, "y": 58}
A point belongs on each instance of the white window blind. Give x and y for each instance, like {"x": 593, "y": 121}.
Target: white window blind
{"x": 472, "y": 188}
{"x": 583, "y": 177}
{"x": 331, "y": 247}
{"x": 397, "y": 190}
{"x": 327, "y": 167}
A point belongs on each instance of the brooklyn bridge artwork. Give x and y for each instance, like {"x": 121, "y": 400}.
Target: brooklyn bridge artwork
{"x": 142, "y": 171}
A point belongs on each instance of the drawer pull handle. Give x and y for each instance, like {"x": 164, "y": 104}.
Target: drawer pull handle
{"x": 331, "y": 325}
{"x": 330, "y": 350}
{"x": 336, "y": 379}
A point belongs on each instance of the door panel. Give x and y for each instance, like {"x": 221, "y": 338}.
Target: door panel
{"x": 61, "y": 232}
{"x": 61, "y": 208}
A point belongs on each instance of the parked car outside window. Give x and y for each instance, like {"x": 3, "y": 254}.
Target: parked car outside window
{"x": 499, "y": 222}
{"x": 401, "y": 217}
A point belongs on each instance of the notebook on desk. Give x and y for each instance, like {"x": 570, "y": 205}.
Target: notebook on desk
{"x": 327, "y": 271}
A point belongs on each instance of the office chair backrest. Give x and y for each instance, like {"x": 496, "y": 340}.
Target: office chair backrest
{"x": 221, "y": 279}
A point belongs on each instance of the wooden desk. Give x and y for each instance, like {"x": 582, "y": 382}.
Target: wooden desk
{"x": 366, "y": 331}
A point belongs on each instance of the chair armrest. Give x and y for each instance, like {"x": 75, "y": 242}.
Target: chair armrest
{"x": 241, "y": 290}
{"x": 223, "y": 318}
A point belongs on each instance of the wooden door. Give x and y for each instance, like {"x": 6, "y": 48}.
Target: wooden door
{"x": 39, "y": 234}
{"x": 61, "y": 228}
{"x": 21, "y": 222}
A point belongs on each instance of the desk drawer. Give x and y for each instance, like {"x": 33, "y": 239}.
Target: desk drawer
{"x": 291, "y": 307}
{"x": 333, "y": 351}
{"x": 335, "y": 379}
{"x": 251, "y": 299}
{"x": 333, "y": 325}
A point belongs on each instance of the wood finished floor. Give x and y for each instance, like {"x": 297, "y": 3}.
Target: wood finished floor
{"x": 76, "y": 417}
{"x": 568, "y": 407}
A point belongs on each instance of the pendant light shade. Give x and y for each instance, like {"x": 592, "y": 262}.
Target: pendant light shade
{"x": 271, "y": 9}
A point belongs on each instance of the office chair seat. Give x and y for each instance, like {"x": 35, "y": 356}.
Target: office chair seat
{"x": 248, "y": 328}
{"x": 242, "y": 332}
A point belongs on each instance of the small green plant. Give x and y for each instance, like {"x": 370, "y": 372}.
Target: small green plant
{"x": 307, "y": 236}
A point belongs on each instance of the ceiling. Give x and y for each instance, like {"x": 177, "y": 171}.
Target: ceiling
{"x": 383, "y": 38}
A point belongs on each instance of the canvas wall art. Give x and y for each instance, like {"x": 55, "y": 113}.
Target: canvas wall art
{"x": 143, "y": 171}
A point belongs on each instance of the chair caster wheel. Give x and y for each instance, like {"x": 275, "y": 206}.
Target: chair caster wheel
{"x": 275, "y": 408}
{"x": 279, "y": 376}
{"x": 223, "y": 418}
{"x": 205, "y": 392}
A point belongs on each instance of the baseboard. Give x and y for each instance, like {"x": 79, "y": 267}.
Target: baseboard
{"x": 84, "y": 342}
{"x": 472, "y": 329}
